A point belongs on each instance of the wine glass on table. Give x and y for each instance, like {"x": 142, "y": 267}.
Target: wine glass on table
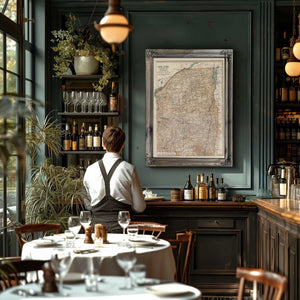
{"x": 74, "y": 225}
{"x": 126, "y": 261}
{"x": 124, "y": 220}
{"x": 61, "y": 263}
{"x": 85, "y": 218}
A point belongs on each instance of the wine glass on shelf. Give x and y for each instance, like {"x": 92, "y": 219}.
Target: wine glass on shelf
{"x": 74, "y": 224}
{"x": 61, "y": 263}
{"x": 103, "y": 100}
{"x": 85, "y": 218}
{"x": 66, "y": 99}
{"x": 126, "y": 261}
{"x": 124, "y": 219}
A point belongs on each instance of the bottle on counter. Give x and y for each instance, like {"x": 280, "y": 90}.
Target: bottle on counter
{"x": 67, "y": 141}
{"x": 74, "y": 137}
{"x": 196, "y": 188}
{"x": 81, "y": 139}
{"x": 202, "y": 189}
{"x": 97, "y": 139}
{"x": 89, "y": 138}
{"x": 114, "y": 98}
{"x": 282, "y": 183}
{"x": 221, "y": 193}
{"x": 212, "y": 189}
{"x": 207, "y": 188}
{"x": 188, "y": 191}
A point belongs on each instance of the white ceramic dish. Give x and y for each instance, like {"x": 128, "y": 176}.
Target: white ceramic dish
{"x": 173, "y": 289}
{"x": 45, "y": 242}
{"x": 143, "y": 240}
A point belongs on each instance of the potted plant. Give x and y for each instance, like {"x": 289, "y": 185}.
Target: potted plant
{"x": 75, "y": 45}
{"x": 54, "y": 192}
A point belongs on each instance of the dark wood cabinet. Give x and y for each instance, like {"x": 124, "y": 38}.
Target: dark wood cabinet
{"x": 226, "y": 235}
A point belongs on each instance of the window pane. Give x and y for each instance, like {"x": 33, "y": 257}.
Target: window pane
{"x": 11, "y": 54}
{"x": 1, "y": 82}
{"x": 28, "y": 88}
{"x": 12, "y": 81}
{"x": 10, "y": 10}
{"x": 28, "y": 65}
{"x": 1, "y": 50}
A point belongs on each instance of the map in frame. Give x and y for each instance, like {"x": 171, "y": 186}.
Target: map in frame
{"x": 189, "y": 107}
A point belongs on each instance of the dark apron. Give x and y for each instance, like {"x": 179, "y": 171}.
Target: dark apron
{"x": 106, "y": 211}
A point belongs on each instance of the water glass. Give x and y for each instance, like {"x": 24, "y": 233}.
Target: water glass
{"x": 137, "y": 274}
{"x": 132, "y": 231}
{"x": 91, "y": 282}
{"x": 70, "y": 238}
{"x": 85, "y": 218}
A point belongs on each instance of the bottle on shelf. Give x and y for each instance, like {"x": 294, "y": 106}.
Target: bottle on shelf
{"x": 81, "y": 169}
{"x": 283, "y": 89}
{"x": 294, "y": 129}
{"x": 207, "y": 187}
{"x": 216, "y": 185}
{"x": 188, "y": 191}
{"x": 196, "y": 188}
{"x": 89, "y": 138}
{"x": 288, "y": 129}
{"x": 212, "y": 189}
{"x": 114, "y": 98}
{"x": 282, "y": 183}
{"x": 297, "y": 89}
{"x": 67, "y": 141}
{"x": 81, "y": 139}
{"x": 282, "y": 130}
{"x": 202, "y": 189}
{"x": 221, "y": 194}
{"x": 103, "y": 147}
{"x": 97, "y": 139}
{"x": 298, "y": 129}
{"x": 292, "y": 91}
{"x": 285, "y": 49}
{"x": 74, "y": 137}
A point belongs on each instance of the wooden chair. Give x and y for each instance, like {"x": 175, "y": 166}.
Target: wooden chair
{"x": 183, "y": 248}
{"x": 274, "y": 284}
{"x": 156, "y": 229}
{"x": 14, "y": 271}
{"x": 29, "y": 232}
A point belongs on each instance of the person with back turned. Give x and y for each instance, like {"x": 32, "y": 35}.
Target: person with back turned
{"x": 112, "y": 184}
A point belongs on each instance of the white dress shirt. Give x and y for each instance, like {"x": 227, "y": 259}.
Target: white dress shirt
{"x": 124, "y": 184}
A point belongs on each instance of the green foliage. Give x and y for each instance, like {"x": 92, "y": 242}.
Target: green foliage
{"x": 76, "y": 40}
{"x": 53, "y": 194}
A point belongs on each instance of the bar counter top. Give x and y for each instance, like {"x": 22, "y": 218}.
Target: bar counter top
{"x": 287, "y": 209}
{"x": 217, "y": 205}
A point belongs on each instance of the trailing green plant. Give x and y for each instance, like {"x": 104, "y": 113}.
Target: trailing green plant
{"x": 78, "y": 40}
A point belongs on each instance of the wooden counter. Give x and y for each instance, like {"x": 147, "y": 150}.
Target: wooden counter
{"x": 226, "y": 238}
{"x": 278, "y": 240}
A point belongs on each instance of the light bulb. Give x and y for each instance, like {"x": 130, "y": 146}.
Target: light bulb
{"x": 292, "y": 68}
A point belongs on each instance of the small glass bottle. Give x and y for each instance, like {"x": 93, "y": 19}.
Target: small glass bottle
{"x": 196, "y": 188}
{"x": 212, "y": 189}
{"x": 221, "y": 191}
{"x": 282, "y": 183}
{"x": 202, "y": 189}
{"x": 188, "y": 190}
{"x": 114, "y": 98}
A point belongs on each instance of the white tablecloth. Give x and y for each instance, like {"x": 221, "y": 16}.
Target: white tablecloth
{"x": 158, "y": 258}
{"x": 108, "y": 289}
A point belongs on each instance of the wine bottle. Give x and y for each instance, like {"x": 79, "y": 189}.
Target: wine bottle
{"x": 188, "y": 190}
{"x": 67, "y": 141}
{"x": 283, "y": 89}
{"x": 196, "y": 188}
{"x": 74, "y": 137}
{"x": 89, "y": 138}
{"x": 81, "y": 169}
{"x": 282, "y": 184}
{"x": 114, "y": 98}
{"x": 96, "y": 139}
{"x": 212, "y": 189}
{"x": 103, "y": 147}
{"x": 81, "y": 140}
{"x": 292, "y": 91}
{"x": 298, "y": 129}
{"x": 221, "y": 194}
{"x": 202, "y": 188}
{"x": 207, "y": 188}
{"x": 285, "y": 49}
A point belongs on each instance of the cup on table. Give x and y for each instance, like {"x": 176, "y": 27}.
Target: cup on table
{"x": 132, "y": 231}
{"x": 91, "y": 282}
{"x": 70, "y": 238}
{"x": 137, "y": 274}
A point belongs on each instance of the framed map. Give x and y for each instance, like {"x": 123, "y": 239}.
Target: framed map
{"x": 189, "y": 107}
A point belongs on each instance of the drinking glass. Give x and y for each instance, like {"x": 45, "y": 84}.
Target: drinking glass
{"x": 60, "y": 263}
{"x": 66, "y": 99}
{"x": 85, "y": 218}
{"x": 132, "y": 231}
{"x": 74, "y": 224}
{"x": 124, "y": 219}
{"x": 70, "y": 238}
{"x": 126, "y": 261}
{"x": 138, "y": 274}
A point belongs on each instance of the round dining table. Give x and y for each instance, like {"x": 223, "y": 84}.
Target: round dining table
{"x": 156, "y": 254}
{"x": 108, "y": 288}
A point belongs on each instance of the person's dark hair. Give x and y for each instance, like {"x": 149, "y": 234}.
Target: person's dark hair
{"x": 113, "y": 138}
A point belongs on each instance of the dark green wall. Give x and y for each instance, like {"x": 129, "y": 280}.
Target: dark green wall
{"x": 244, "y": 26}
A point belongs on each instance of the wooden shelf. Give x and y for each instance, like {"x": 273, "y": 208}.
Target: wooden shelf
{"x": 91, "y": 114}
{"x": 84, "y": 152}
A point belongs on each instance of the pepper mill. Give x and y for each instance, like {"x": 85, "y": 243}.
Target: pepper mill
{"x": 88, "y": 235}
{"x": 49, "y": 285}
